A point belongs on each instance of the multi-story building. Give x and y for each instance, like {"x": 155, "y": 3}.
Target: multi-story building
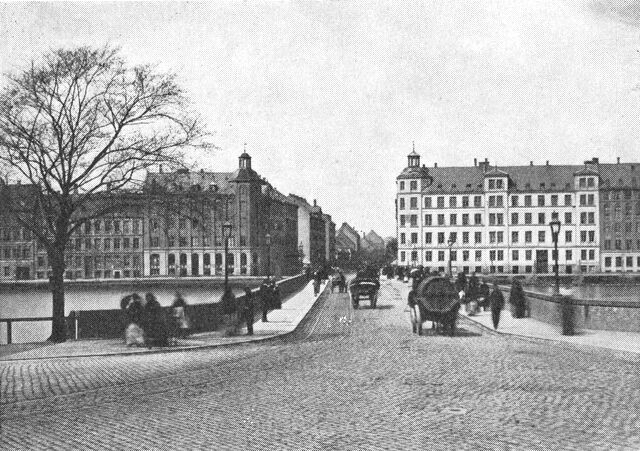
{"x": 347, "y": 243}
{"x": 496, "y": 219}
{"x": 173, "y": 227}
{"x": 330, "y": 238}
{"x": 311, "y": 232}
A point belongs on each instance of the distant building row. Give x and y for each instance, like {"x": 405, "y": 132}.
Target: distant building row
{"x": 492, "y": 219}
{"x": 174, "y": 227}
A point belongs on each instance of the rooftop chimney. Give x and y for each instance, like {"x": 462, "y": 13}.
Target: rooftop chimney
{"x": 531, "y": 163}
{"x": 435, "y": 165}
{"x": 618, "y": 160}
{"x": 315, "y": 203}
{"x": 547, "y": 162}
{"x": 475, "y": 162}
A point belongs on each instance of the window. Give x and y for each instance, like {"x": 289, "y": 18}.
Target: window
{"x": 582, "y": 182}
{"x": 454, "y": 256}
{"x": 427, "y": 220}
{"x": 541, "y": 201}
{"x": 453, "y": 237}
{"x": 554, "y": 200}
{"x": 492, "y": 201}
{"x": 414, "y": 220}
{"x": 514, "y": 218}
{"x": 492, "y": 183}
{"x": 567, "y": 200}
{"x": 583, "y": 218}
{"x": 541, "y": 218}
{"x": 628, "y": 244}
{"x": 116, "y": 243}
{"x": 441, "y": 220}
{"x": 465, "y": 219}
{"x": 403, "y": 220}
{"x": 541, "y": 236}
{"x": 607, "y": 262}
{"x": 116, "y": 226}
{"x": 465, "y": 201}
{"x": 528, "y": 236}
{"x": 500, "y": 219}
{"x": 477, "y": 201}
{"x": 583, "y": 236}
{"x": 528, "y": 254}
{"x": 514, "y": 237}
{"x": 413, "y": 185}
{"x": 465, "y": 256}
{"x": 554, "y": 216}
{"x": 514, "y": 201}
{"x": 500, "y": 237}
{"x": 401, "y": 186}
{"x": 499, "y": 183}
{"x": 618, "y": 245}
{"x": 590, "y": 182}
{"x": 427, "y": 238}
{"x": 403, "y": 238}
{"x": 428, "y": 256}
{"x": 568, "y": 255}
{"x": 107, "y": 244}
{"x": 477, "y": 218}
{"x": 440, "y": 256}
{"x": 440, "y": 201}
{"x": 592, "y": 237}
{"x": 154, "y": 241}
{"x": 413, "y": 203}
{"x": 568, "y": 236}
{"x": 402, "y": 203}
{"x": 590, "y": 199}
{"x": 607, "y": 245}
{"x": 478, "y": 256}
{"x": 527, "y": 201}
{"x": 440, "y": 237}
{"x": 403, "y": 256}
{"x": 452, "y": 202}
{"x": 567, "y": 218}
{"x": 414, "y": 238}
{"x": 477, "y": 237}
{"x": 592, "y": 254}
{"x": 583, "y": 200}
{"x": 126, "y": 243}
{"x": 515, "y": 255}
{"x": 500, "y": 255}
{"x": 427, "y": 202}
{"x": 453, "y": 219}
{"x": 492, "y": 237}
{"x": 618, "y": 261}
{"x": 528, "y": 218}
{"x": 583, "y": 254}
{"x": 492, "y": 255}
{"x": 492, "y": 219}
{"x": 465, "y": 237}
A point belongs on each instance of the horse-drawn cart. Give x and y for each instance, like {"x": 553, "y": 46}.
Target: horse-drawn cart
{"x": 435, "y": 299}
{"x": 364, "y": 286}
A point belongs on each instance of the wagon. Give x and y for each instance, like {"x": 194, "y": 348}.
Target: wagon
{"x": 364, "y": 287}
{"x": 434, "y": 299}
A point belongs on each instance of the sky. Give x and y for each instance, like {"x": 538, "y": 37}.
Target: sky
{"x": 329, "y": 96}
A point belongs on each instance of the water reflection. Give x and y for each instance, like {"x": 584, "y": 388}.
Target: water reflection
{"x": 594, "y": 292}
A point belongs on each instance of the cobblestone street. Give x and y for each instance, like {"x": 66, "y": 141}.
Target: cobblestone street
{"x": 345, "y": 380}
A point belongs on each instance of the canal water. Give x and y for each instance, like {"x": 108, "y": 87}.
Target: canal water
{"x": 36, "y": 302}
{"x": 627, "y": 293}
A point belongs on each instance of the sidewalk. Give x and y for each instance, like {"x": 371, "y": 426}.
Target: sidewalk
{"x": 280, "y": 322}
{"x": 529, "y": 327}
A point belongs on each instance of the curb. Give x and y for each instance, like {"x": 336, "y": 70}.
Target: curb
{"x": 173, "y": 350}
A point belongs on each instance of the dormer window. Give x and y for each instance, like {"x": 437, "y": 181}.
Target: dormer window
{"x": 591, "y": 182}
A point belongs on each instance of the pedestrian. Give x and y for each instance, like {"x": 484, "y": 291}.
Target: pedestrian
{"x": 180, "y": 321}
{"x": 264, "y": 299}
{"x": 496, "y": 301}
{"x": 247, "y": 310}
{"x": 133, "y": 306}
{"x": 317, "y": 279}
{"x": 155, "y": 323}
{"x": 276, "y": 301}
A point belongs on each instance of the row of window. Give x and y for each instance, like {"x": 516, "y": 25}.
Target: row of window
{"x": 177, "y": 265}
{"x": 107, "y": 226}
{"x": 494, "y": 255}
{"x": 586, "y": 236}
{"x": 618, "y": 261}
{"x": 618, "y": 228}
{"x": 497, "y": 201}
{"x": 618, "y": 211}
{"x": 104, "y": 244}
{"x": 619, "y": 195}
{"x": 617, "y": 244}
{"x": 15, "y": 234}
{"x": 15, "y": 252}
{"x": 586, "y": 218}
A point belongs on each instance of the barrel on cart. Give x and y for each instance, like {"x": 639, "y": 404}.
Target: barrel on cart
{"x": 435, "y": 299}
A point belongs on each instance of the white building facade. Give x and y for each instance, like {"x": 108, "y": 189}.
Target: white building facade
{"x": 496, "y": 220}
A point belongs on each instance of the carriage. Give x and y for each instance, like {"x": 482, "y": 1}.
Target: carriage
{"x": 364, "y": 286}
{"x": 435, "y": 299}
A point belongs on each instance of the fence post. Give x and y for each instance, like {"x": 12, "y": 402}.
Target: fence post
{"x": 9, "y": 332}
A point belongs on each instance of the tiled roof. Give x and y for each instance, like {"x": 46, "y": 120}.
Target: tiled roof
{"x": 527, "y": 178}
{"x": 183, "y": 181}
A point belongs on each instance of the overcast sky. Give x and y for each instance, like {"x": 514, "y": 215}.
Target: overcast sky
{"x": 329, "y": 96}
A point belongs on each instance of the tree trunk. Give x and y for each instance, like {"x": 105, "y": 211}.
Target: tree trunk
{"x": 56, "y": 285}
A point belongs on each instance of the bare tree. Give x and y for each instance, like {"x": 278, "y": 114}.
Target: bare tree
{"x": 81, "y": 122}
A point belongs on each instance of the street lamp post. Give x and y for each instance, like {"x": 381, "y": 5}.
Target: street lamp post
{"x": 226, "y": 231}
{"x": 450, "y": 244}
{"x": 566, "y": 312}
{"x": 268, "y": 239}
{"x": 555, "y": 231}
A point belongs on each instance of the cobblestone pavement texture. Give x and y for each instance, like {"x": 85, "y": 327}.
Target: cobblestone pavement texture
{"x": 345, "y": 380}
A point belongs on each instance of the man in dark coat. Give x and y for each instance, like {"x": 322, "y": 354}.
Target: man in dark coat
{"x": 246, "y": 309}
{"x": 496, "y": 300}
{"x": 156, "y": 329}
{"x": 265, "y": 299}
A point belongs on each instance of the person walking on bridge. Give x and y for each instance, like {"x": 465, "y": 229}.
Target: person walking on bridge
{"x": 496, "y": 301}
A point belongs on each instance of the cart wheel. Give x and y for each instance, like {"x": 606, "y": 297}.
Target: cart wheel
{"x": 418, "y": 320}
{"x": 412, "y": 319}
{"x": 374, "y": 301}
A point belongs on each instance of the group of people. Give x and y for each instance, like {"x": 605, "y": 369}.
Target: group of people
{"x": 148, "y": 324}
{"x": 338, "y": 280}
{"x": 472, "y": 292}
{"x": 268, "y": 297}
